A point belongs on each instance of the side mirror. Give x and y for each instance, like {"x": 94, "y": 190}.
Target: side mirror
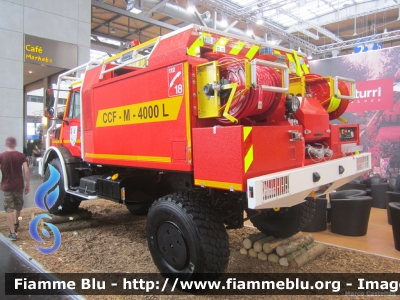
{"x": 49, "y": 112}
{"x": 60, "y": 115}
{"x": 49, "y": 98}
{"x": 48, "y": 106}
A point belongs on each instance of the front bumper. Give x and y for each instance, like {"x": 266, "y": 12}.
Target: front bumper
{"x": 288, "y": 188}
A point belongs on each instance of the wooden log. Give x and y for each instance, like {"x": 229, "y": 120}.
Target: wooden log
{"x": 262, "y": 256}
{"x": 258, "y": 245}
{"x": 83, "y": 215}
{"x": 80, "y": 214}
{"x": 284, "y": 261}
{"x": 290, "y": 247}
{"x": 252, "y": 253}
{"x": 249, "y": 241}
{"x": 273, "y": 257}
{"x": 243, "y": 251}
{"x": 270, "y": 247}
{"x": 77, "y": 225}
{"x": 308, "y": 256}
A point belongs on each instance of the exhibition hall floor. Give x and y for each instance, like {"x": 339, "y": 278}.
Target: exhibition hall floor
{"x": 378, "y": 240}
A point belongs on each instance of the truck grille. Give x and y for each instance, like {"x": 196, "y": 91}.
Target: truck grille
{"x": 273, "y": 188}
{"x": 363, "y": 163}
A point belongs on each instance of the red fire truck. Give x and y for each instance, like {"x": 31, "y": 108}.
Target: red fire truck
{"x": 195, "y": 127}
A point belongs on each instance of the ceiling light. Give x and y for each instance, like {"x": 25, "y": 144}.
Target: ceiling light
{"x": 299, "y": 50}
{"x": 224, "y": 22}
{"x": 136, "y": 10}
{"x": 191, "y": 8}
{"x": 355, "y": 27}
{"x": 249, "y": 31}
{"x": 30, "y": 72}
{"x": 260, "y": 20}
{"x": 385, "y": 30}
{"x": 112, "y": 30}
{"x": 133, "y": 6}
{"x": 309, "y": 57}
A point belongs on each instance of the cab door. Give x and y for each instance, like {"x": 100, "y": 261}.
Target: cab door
{"x": 72, "y": 124}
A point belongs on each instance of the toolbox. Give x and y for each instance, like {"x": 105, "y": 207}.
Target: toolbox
{"x": 88, "y": 185}
{"x": 110, "y": 188}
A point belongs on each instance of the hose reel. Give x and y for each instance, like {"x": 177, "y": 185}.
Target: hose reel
{"x": 333, "y": 93}
{"x": 231, "y": 89}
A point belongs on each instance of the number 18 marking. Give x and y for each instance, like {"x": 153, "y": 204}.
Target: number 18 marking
{"x": 179, "y": 88}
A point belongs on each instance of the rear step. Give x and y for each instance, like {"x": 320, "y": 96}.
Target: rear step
{"x": 81, "y": 195}
{"x": 87, "y": 188}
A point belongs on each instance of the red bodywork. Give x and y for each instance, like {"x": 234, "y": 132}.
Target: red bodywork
{"x": 116, "y": 131}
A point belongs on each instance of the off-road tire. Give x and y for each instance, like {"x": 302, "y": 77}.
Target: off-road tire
{"x": 68, "y": 203}
{"x": 186, "y": 237}
{"x": 285, "y": 222}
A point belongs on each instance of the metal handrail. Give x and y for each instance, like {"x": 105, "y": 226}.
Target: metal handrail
{"x": 65, "y": 76}
{"x": 143, "y": 46}
{"x": 128, "y": 62}
{"x": 336, "y": 88}
{"x": 285, "y": 75}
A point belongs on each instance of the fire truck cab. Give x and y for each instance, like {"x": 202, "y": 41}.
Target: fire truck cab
{"x": 193, "y": 129}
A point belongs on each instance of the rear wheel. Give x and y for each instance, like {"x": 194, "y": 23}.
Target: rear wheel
{"x": 186, "y": 237}
{"x": 65, "y": 203}
{"x": 284, "y": 222}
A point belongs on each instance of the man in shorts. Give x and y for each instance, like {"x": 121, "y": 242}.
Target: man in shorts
{"x": 12, "y": 184}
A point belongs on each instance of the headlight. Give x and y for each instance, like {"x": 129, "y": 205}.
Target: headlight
{"x": 292, "y": 103}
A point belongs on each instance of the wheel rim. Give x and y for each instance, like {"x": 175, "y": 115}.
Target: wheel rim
{"x": 172, "y": 245}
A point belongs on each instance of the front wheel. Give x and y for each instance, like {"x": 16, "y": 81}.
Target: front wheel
{"x": 283, "y": 222}
{"x": 186, "y": 237}
{"x": 65, "y": 203}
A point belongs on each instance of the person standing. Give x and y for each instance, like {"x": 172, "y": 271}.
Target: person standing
{"x": 12, "y": 184}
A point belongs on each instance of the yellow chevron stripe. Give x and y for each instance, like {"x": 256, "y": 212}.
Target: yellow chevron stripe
{"x": 249, "y": 157}
{"x": 246, "y": 132}
{"x": 305, "y": 68}
{"x": 252, "y": 51}
{"x": 299, "y": 72}
{"x": 237, "y": 48}
{"x": 194, "y": 49}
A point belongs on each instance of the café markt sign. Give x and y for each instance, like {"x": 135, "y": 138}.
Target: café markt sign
{"x": 50, "y": 53}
